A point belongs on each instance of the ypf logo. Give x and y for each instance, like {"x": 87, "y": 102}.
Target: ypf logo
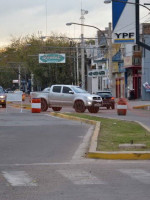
{"x": 124, "y": 37}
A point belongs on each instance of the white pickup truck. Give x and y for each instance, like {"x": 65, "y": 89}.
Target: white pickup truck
{"x": 60, "y": 96}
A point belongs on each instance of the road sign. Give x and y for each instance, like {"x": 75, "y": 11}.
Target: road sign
{"x": 52, "y": 58}
{"x": 96, "y": 73}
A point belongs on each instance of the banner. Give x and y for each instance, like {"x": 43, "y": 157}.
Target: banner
{"x": 124, "y": 22}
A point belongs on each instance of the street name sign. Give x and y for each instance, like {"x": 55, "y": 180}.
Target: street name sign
{"x": 96, "y": 73}
{"x": 52, "y": 58}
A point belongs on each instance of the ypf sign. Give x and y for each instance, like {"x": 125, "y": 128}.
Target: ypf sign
{"x": 124, "y": 29}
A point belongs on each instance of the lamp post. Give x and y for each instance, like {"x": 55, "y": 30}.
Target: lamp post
{"x": 82, "y": 56}
{"x": 82, "y": 49}
{"x": 137, "y": 4}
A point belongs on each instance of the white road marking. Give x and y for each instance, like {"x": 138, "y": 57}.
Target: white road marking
{"x": 80, "y": 177}
{"x": 138, "y": 174}
{"x": 18, "y": 178}
{"x": 83, "y": 147}
{"x": 84, "y": 161}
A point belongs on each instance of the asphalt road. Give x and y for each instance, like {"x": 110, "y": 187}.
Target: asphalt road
{"x": 42, "y": 158}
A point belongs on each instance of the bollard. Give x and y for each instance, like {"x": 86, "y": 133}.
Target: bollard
{"x": 122, "y": 106}
{"x": 36, "y": 105}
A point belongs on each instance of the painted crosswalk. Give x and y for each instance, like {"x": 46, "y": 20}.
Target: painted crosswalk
{"x": 18, "y": 178}
{"x": 80, "y": 177}
{"x": 76, "y": 176}
{"x": 138, "y": 174}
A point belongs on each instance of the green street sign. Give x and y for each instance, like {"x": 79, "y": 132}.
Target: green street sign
{"x": 96, "y": 73}
{"x": 52, "y": 58}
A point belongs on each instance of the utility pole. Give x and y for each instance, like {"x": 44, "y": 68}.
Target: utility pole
{"x": 32, "y": 79}
{"x": 77, "y": 55}
{"x": 110, "y": 57}
{"x": 83, "y": 12}
{"x": 19, "y": 77}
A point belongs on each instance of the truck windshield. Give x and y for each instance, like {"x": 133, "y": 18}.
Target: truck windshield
{"x": 78, "y": 90}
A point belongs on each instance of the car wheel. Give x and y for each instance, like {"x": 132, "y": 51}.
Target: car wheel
{"x": 4, "y": 106}
{"x": 56, "y": 108}
{"x": 44, "y": 105}
{"x": 93, "y": 109}
{"x": 79, "y": 106}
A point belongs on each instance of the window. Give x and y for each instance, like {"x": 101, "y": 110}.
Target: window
{"x": 57, "y": 89}
{"x": 66, "y": 90}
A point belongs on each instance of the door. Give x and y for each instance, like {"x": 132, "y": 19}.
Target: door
{"x": 55, "y": 96}
{"x": 67, "y": 96}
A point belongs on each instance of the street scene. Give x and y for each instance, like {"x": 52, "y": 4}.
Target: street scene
{"x": 75, "y": 100}
{"x": 43, "y": 157}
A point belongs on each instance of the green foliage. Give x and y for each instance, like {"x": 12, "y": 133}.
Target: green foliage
{"x": 24, "y": 52}
{"x": 114, "y": 132}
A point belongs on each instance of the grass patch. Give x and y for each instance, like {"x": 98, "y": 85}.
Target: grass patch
{"x": 114, "y": 132}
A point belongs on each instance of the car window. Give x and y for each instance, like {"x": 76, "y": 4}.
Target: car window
{"x": 57, "y": 89}
{"x": 79, "y": 90}
{"x": 66, "y": 90}
{"x": 104, "y": 94}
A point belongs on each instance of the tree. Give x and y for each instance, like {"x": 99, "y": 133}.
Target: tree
{"x": 24, "y": 52}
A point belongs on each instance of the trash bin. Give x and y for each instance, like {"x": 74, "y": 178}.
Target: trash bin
{"x": 122, "y": 106}
{"x": 36, "y": 105}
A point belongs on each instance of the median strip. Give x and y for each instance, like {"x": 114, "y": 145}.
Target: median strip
{"x": 94, "y": 143}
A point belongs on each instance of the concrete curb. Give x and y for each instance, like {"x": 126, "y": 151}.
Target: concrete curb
{"x": 141, "y": 106}
{"x": 92, "y": 153}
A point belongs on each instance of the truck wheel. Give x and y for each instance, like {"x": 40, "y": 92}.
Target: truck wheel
{"x": 44, "y": 105}
{"x": 56, "y": 108}
{"x": 108, "y": 107}
{"x": 93, "y": 109}
{"x": 79, "y": 106}
{"x": 113, "y": 106}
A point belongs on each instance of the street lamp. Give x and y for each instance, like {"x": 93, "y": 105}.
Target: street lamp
{"x": 82, "y": 50}
{"x": 137, "y": 4}
{"x": 82, "y": 57}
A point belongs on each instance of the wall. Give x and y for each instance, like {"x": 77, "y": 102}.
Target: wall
{"x": 146, "y": 69}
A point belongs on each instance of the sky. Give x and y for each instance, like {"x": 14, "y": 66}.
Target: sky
{"x": 19, "y": 18}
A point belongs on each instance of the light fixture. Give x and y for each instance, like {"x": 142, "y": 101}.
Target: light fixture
{"x": 68, "y": 24}
{"x": 107, "y": 1}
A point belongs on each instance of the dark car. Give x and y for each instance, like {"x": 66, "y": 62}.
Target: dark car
{"x": 108, "y": 99}
{"x": 8, "y": 90}
{"x": 2, "y": 98}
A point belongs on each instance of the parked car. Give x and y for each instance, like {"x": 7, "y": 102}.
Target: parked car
{"x": 2, "y": 98}
{"x": 108, "y": 99}
{"x": 8, "y": 90}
